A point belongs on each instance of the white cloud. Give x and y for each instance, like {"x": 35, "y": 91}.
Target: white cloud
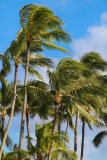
{"x": 104, "y": 17}
{"x": 94, "y": 40}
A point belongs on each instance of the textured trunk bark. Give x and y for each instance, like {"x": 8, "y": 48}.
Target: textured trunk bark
{"x": 39, "y": 156}
{"x": 28, "y": 128}
{"x": 12, "y": 112}
{"x": 27, "y": 124}
{"x": 25, "y": 98}
{"x": 76, "y": 132}
{"x": 3, "y": 122}
{"x": 83, "y": 136}
{"x": 53, "y": 131}
{"x": 59, "y": 126}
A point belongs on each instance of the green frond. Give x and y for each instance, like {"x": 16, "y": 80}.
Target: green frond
{"x": 94, "y": 61}
{"x": 9, "y": 143}
{"x": 17, "y": 153}
{"x": 98, "y": 138}
{"x": 63, "y": 152}
{"x": 84, "y": 112}
{"x": 97, "y": 122}
{"x": 24, "y": 13}
{"x": 58, "y": 35}
{"x": 40, "y": 60}
{"x": 89, "y": 125}
{"x": 33, "y": 72}
{"x": 53, "y": 47}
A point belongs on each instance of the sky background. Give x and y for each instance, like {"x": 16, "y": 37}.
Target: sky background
{"x": 86, "y": 21}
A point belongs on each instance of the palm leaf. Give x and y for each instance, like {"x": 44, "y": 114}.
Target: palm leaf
{"x": 98, "y": 138}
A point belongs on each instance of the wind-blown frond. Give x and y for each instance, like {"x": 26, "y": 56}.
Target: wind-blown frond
{"x": 17, "y": 153}
{"x": 63, "y": 152}
{"x": 52, "y": 46}
{"x": 98, "y": 138}
{"x": 94, "y": 61}
{"x": 9, "y": 142}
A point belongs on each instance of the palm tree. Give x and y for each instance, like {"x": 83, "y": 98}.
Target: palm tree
{"x": 95, "y": 121}
{"x": 40, "y": 26}
{"x": 97, "y": 141}
{"x": 12, "y": 113}
{"x": 95, "y": 63}
{"x": 16, "y": 53}
{"x": 61, "y": 85}
{"x": 75, "y": 73}
{"x": 43, "y": 140}
{"x": 6, "y": 97}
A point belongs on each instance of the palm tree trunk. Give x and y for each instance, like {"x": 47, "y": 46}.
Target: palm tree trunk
{"x": 59, "y": 126}
{"x": 25, "y": 98}
{"x": 54, "y": 128}
{"x": 3, "y": 122}
{"x": 76, "y": 132}
{"x": 28, "y": 129}
{"x": 27, "y": 124}
{"x": 83, "y": 135}
{"x": 60, "y": 114}
{"x": 12, "y": 112}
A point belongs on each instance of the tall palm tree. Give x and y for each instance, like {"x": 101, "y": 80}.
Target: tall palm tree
{"x": 97, "y": 141}
{"x": 95, "y": 63}
{"x": 16, "y": 54}
{"x": 61, "y": 84}
{"x": 6, "y": 97}
{"x": 40, "y": 26}
{"x": 12, "y": 113}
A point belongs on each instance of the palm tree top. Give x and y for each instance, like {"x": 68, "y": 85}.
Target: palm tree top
{"x": 94, "y": 61}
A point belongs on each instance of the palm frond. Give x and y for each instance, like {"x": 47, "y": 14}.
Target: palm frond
{"x": 98, "y": 138}
{"x": 54, "y": 47}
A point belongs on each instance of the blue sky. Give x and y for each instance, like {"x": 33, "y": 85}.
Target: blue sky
{"x": 86, "y": 21}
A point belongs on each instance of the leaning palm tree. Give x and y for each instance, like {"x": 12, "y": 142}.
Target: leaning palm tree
{"x": 40, "y": 26}
{"x": 11, "y": 116}
{"x": 16, "y": 54}
{"x": 8, "y": 143}
{"x": 6, "y": 97}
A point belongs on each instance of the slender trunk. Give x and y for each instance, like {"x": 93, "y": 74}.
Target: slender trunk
{"x": 60, "y": 116}
{"x": 54, "y": 128}
{"x": 12, "y": 112}
{"x": 25, "y": 98}
{"x": 83, "y": 135}
{"x": 28, "y": 128}
{"x": 3, "y": 122}
{"x": 27, "y": 124}
{"x": 39, "y": 156}
{"x": 59, "y": 126}
{"x": 76, "y": 132}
